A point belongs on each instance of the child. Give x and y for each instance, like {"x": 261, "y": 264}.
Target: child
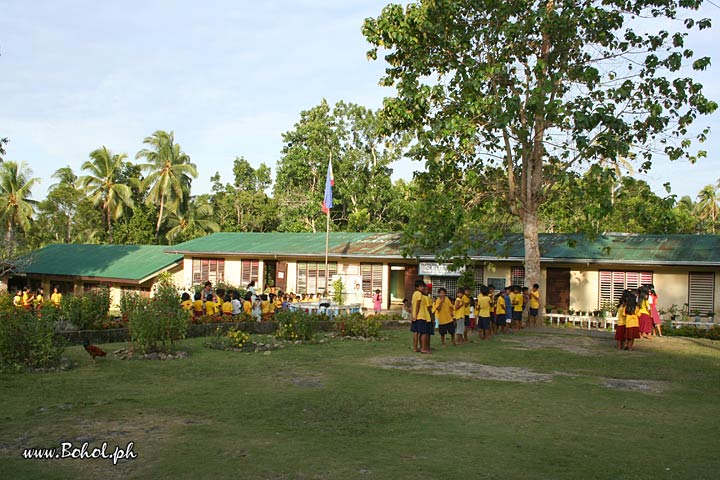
{"x": 644, "y": 319}
{"x": 534, "y": 298}
{"x": 420, "y": 325}
{"x": 56, "y": 297}
{"x": 265, "y": 307}
{"x": 198, "y": 306}
{"x": 491, "y": 294}
{"x": 654, "y": 314}
{"x": 257, "y": 308}
{"x": 466, "y": 312}
{"x": 632, "y": 323}
{"x": 500, "y": 313}
{"x": 210, "y": 306}
{"x": 247, "y": 304}
{"x": 39, "y": 299}
{"x": 483, "y": 306}
{"x": 406, "y": 314}
{"x": 517, "y": 301}
{"x": 377, "y": 302}
{"x": 185, "y": 302}
{"x": 227, "y": 307}
{"x": 620, "y": 328}
{"x": 18, "y": 300}
{"x": 508, "y": 306}
{"x": 236, "y": 303}
{"x": 459, "y": 315}
{"x": 443, "y": 309}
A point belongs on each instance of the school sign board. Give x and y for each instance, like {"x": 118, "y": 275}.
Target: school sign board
{"x": 439, "y": 270}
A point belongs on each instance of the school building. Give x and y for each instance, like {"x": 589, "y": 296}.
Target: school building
{"x": 578, "y": 272}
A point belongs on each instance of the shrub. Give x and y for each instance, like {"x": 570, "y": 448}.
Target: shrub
{"x": 296, "y": 325}
{"x": 235, "y": 338}
{"x": 390, "y": 317}
{"x": 712, "y": 333}
{"x": 26, "y": 339}
{"x": 357, "y": 325}
{"x": 129, "y": 302}
{"x": 157, "y": 323}
{"x": 88, "y": 311}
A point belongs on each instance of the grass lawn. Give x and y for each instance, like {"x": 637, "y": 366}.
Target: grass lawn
{"x": 338, "y": 411}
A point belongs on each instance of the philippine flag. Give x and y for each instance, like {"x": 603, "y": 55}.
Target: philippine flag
{"x": 327, "y": 203}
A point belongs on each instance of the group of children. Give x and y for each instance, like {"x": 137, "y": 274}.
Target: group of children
{"x": 490, "y": 313}
{"x": 637, "y": 317}
{"x": 34, "y": 300}
{"x": 222, "y": 303}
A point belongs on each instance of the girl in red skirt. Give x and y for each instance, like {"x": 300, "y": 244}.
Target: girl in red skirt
{"x": 620, "y": 328}
{"x": 632, "y": 329}
{"x": 644, "y": 319}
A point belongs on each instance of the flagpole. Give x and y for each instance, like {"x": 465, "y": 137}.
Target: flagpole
{"x": 327, "y": 245}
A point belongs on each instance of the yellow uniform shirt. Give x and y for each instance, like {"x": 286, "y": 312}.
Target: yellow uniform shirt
{"x": 210, "y": 308}
{"x": 56, "y": 298}
{"x": 535, "y": 299}
{"x": 621, "y": 316}
{"x": 459, "y": 309}
{"x": 227, "y": 308}
{"x": 186, "y": 304}
{"x": 198, "y": 305}
{"x": 17, "y": 301}
{"x": 247, "y": 307}
{"x": 517, "y": 301}
{"x": 466, "y": 305}
{"x": 443, "y": 310}
{"x": 483, "y": 306}
{"x": 631, "y": 321}
{"x": 500, "y": 306}
{"x": 26, "y": 300}
{"x": 643, "y": 308}
{"x": 419, "y": 305}
{"x": 265, "y": 307}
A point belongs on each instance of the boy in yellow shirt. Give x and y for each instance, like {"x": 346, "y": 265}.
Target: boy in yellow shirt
{"x": 483, "y": 309}
{"x": 420, "y": 320}
{"x": 56, "y": 297}
{"x": 197, "y": 306}
{"x": 517, "y": 300}
{"x": 443, "y": 309}
{"x": 534, "y": 304}
{"x": 459, "y": 314}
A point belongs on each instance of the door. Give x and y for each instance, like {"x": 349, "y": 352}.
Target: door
{"x": 280, "y": 276}
{"x": 558, "y": 288}
{"x": 397, "y": 284}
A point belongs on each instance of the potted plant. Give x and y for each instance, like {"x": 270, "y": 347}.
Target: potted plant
{"x": 696, "y": 313}
{"x": 548, "y": 308}
{"x": 711, "y": 316}
{"x": 673, "y": 311}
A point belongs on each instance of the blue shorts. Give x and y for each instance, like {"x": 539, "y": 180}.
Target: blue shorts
{"x": 484, "y": 323}
{"x": 447, "y": 328}
{"x": 517, "y": 316}
{"x": 534, "y": 312}
{"x": 421, "y": 326}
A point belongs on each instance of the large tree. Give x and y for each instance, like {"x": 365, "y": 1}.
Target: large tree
{"x": 170, "y": 174}
{"x": 16, "y": 206}
{"x": 540, "y": 87}
{"x": 708, "y": 206}
{"x": 101, "y": 184}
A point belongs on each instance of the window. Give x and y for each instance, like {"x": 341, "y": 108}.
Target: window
{"x": 612, "y": 284}
{"x": 142, "y": 291}
{"x": 701, "y": 291}
{"x": 371, "y": 278}
{"x": 450, "y": 284}
{"x": 517, "y": 276}
{"x": 249, "y": 270}
{"x": 479, "y": 279}
{"x": 311, "y": 276}
{"x": 208, "y": 269}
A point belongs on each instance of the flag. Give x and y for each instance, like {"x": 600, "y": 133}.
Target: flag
{"x": 327, "y": 203}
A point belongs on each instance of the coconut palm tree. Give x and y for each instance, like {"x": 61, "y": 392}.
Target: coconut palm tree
{"x": 101, "y": 184}
{"x": 708, "y": 205}
{"x": 64, "y": 176}
{"x": 170, "y": 174}
{"x": 16, "y": 206}
{"x": 194, "y": 221}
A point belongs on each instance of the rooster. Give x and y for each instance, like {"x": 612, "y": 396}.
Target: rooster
{"x": 93, "y": 350}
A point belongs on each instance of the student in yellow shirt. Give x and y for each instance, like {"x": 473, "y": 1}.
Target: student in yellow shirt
{"x": 247, "y": 304}
{"x": 227, "y": 308}
{"x": 534, "y": 304}
{"x": 198, "y": 306}
{"x": 185, "y": 302}
{"x": 466, "y": 312}
{"x": 210, "y": 305}
{"x": 632, "y": 323}
{"x": 18, "y": 299}
{"x": 459, "y": 314}
{"x": 500, "y": 312}
{"x": 56, "y": 297}
{"x": 420, "y": 321}
{"x": 27, "y": 298}
{"x": 265, "y": 307}
{"x": 38, "y": 299}
{"x": 443, "y": 309}
{"x": 483, "y": 309}
{"x": 620, "y": 327}
{"x": 517, "y": 300}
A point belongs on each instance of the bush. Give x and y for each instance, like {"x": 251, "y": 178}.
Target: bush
{"x": 390, "y": 317}
{"x": 88, "y": 311}
{"x": 27, "y": 339}
{"x": 712, "y": 333}
{"x": 155, "y": 324}
{"x": 357, "y": 325}
{"x": 296, "y": 325}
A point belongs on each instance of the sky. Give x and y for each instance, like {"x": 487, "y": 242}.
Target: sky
{"x": 228, "y": 77}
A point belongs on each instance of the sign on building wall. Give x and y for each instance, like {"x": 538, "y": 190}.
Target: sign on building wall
{"x": 439, "y": 270}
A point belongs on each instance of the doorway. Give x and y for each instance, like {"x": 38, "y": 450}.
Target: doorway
{"x": 397, "y": 284}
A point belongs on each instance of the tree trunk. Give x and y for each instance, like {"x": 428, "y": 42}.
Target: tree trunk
{"x": 157, "y": 226}
{"x": 532, "y": 246}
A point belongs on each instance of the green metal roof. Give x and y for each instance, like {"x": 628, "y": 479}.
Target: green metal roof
{"x": 616, "y": 248}
{"x": 124, "y": 262}
{"x": 341, "y": 244}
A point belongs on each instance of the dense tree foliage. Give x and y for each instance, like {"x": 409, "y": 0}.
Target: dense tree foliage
{"x": 539, "y": 88}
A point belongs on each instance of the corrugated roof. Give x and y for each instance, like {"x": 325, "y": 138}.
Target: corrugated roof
{"x": 124, "y": 262}
{"x": 554, "y": 248}
{"x": 341, "y": 244}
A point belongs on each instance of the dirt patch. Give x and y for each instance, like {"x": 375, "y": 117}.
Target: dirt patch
{"x": 578, "y": 345}
{"x": 301, "y": 379}
{"x": 643, "y": 386}
{"x": 462, "y": 369}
